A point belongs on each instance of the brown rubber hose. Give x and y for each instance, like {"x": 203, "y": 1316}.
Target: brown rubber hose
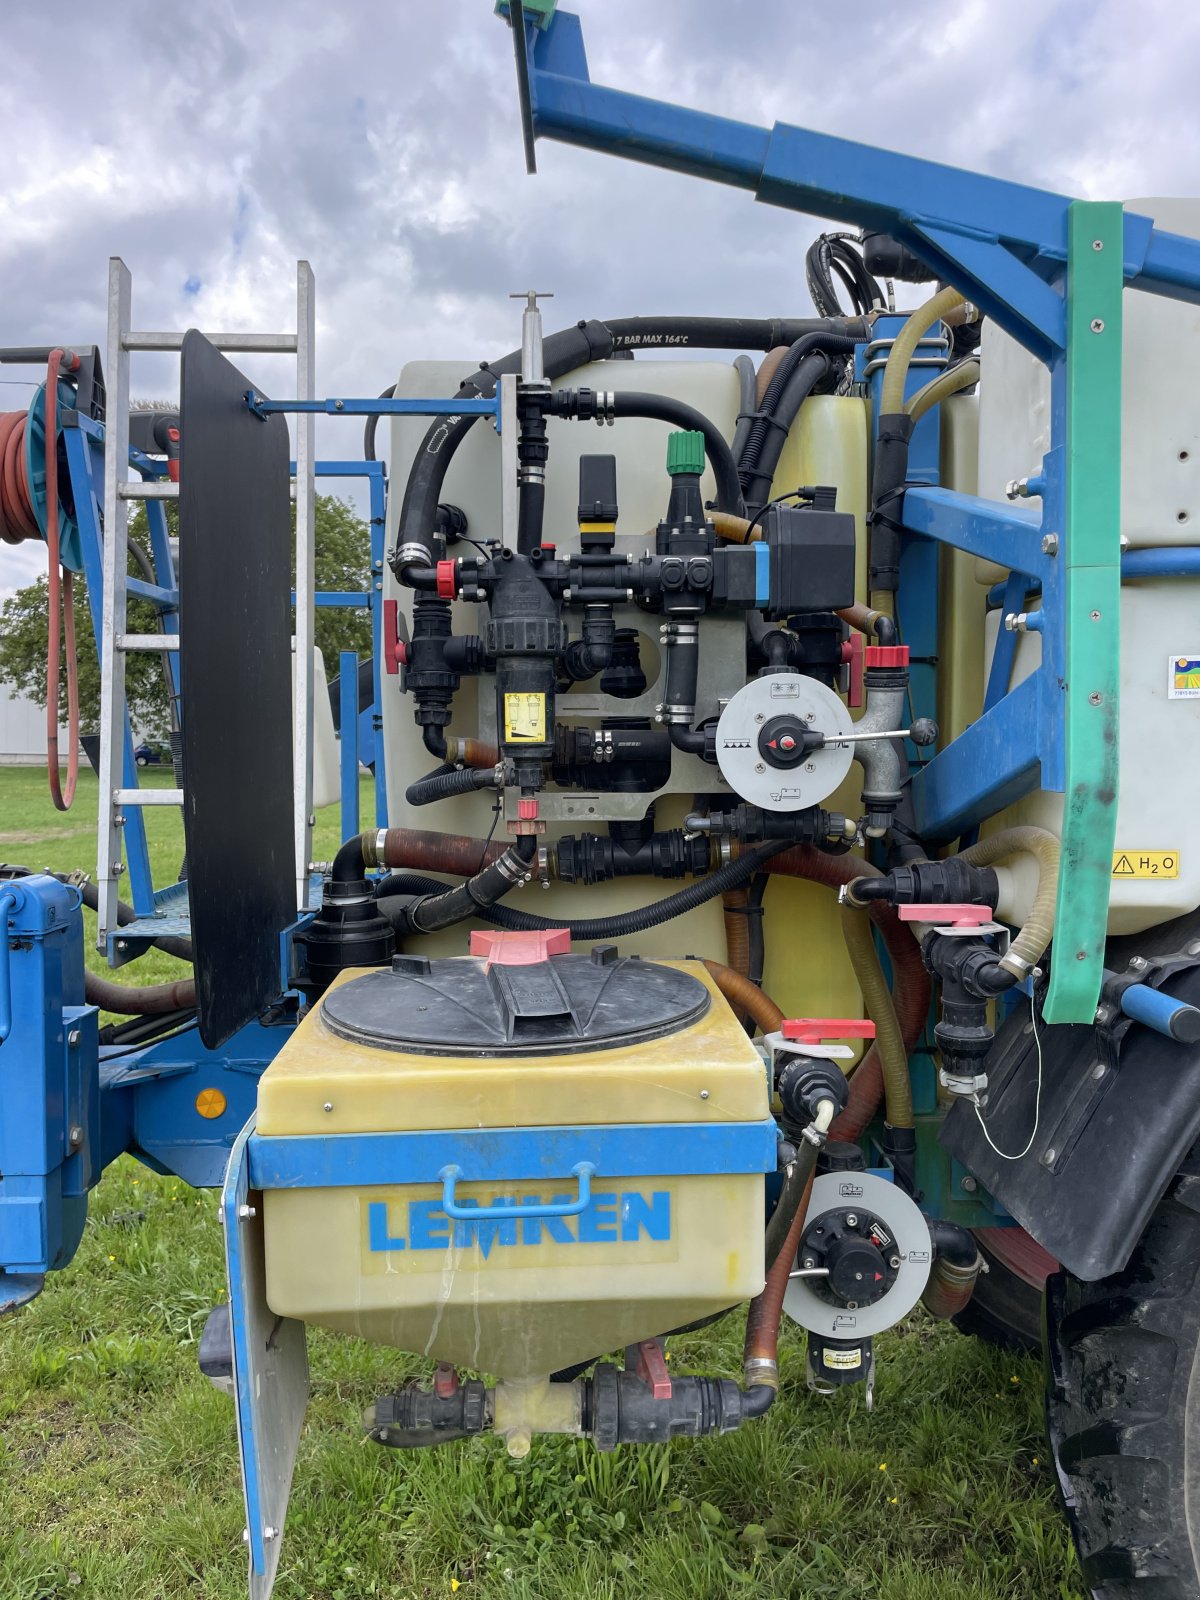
{"x": 766, "y": 370}
{"x": 737, "y": 929}
{"x": 151, "y": 1000}
{"x": 760, "y": 1353}
{"x": 743, "y": 995}
{"x": 453, "y": 853}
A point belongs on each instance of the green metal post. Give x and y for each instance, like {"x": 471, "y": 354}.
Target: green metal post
{"x": 1091, "y": 556}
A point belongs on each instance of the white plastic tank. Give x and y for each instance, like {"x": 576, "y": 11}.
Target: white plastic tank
{"x": 1156, "y": 866}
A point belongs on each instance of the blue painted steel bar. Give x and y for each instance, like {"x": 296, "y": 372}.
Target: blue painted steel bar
{"x": 996, "y": 240}
{"x": 1010, "y": 535}
{"x": 1005, "y": 650}
{"x": 1174, "y": 1019}
{"x": 348, "y": 740}
{"x": 167, "y": 599}
{"x": 85, "y": 464}
{"x": 331, "y": 598}
{"x": 992, "y": 763}
{"x": 492, "y": 1155}
{"x": 378, "y": 492}
{"x": 1165, "y": 561}
{"x": 164, "y": 567}
{"x": 335, "y": 407}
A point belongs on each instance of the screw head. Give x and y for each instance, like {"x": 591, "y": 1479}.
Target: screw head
{"x": 758, "y": 767}
{"x": 851, "y": 1219}
{"x": 810, "y": 1261}
{"x": 1095, "y": 616}
{"x": 1048, "y": 1158}
{"x": 1081, "y": 955}
{"x": 1097, "y": 244}
{"x": 759, "y": 717}
{"x": 893, "y": 1261}
{"x": 1095, "y": 698}
{"x": 75, "y": 1136}
{"x": 246, "y": 1212}
{"x": 328, "y": 1106}
{"x": 1050, "y": 544}
{"x": 1099, "y": 1071}
{"x": 1097, "y": 324}
{"x": 704, "y": 1094}
{"x": 73, "y": 1038}
{"x": 339, "y": 405}
{"x": 970, "y": 1184}
{"x": 1139, "y": 962}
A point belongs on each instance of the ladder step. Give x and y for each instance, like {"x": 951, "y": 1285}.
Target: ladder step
{"x": 148, "y": 797}
{"x": 147, "y": 641}
{"x": 156, "y": 489}
{"x": 283, "y": 342}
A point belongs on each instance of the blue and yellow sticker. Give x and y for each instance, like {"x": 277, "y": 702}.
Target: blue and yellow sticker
{"x": 1183, "y": 678}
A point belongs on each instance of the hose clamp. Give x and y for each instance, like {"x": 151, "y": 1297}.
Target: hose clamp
{"x": 510, "y": 866}
{"x": 409, "y": 555}
{"x": 543, "y": 866}
{"x": 606, "y": 406}
{"x": 381, "y": 847}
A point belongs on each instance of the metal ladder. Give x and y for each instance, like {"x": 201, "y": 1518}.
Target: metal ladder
{"x": 116, "y": 642}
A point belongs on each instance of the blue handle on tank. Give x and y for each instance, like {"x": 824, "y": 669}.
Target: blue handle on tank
{"x": 583, "y": 1170}
{"x": 10, "y": 900}
{"x": 1162, "y": 1012}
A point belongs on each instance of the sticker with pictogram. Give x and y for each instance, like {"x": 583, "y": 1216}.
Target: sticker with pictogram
{"x": 1145, "y": 864}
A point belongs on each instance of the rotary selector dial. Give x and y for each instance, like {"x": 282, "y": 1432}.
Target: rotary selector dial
{"x": 874, "y": 1242}
{"x": 777, "y": 742}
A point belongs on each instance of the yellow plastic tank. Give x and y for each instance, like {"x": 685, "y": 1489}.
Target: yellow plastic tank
{"x": 516, "y": 1296}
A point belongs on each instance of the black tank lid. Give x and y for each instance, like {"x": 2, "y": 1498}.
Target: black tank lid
{"x": 464, "y": 1006}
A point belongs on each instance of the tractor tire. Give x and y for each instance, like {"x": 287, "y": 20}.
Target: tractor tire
{"x": 1006, "y": 1308}
{"x": 1122, "y": 1361}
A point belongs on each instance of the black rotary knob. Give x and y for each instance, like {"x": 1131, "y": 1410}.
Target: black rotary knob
{"x": 858, "y": 1273}
{"x": 786, "y": 741}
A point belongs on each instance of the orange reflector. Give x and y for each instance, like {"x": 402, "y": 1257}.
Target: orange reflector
{"x": 210, "y": 1103}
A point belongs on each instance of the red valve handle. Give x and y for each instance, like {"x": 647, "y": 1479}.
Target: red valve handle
{"x": 395, "y": 651}
{"x": 852, "y": 656}
{"x": 958, "y": 916}
{"x": 811, "y": 1030}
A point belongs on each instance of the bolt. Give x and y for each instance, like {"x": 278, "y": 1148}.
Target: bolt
{"x": 73, "y": 1038}
{"x": 1048, "y": 1158}
{"x": 810, "y": 1261}
{"x": 1097, "y": 244}
{"x": 1049, "y": 544}
{"x": 1095, "y": 698}
{"x": 851, "y": 1305}
{"x": 118, "y": 867}
{"x": 339, "y": 405}
{"x": 851, "y": 1220}
{"x": 704, "y": 1094}
{"x": 328, "y": 1106}
{"x": 858, "y": 1277}
{"x": 270, "y": 1533}
{"x": 1097, "y": 324}
{"x": 970, "y": 1184}
{"x": 122, "y": 944}
{"x": 1099, "y": 1070}
{"x": 75, "y": 1136}
{"x": 893, "y": 1261}
{"x": 246, "y": 1212}
{"x": 119, "y": 820}
{"x": 1103, "y": 1015}
{"x": 1194, "y": 948}
{"x": 245, "y": 1535}
{"x": 1138, "y": 962}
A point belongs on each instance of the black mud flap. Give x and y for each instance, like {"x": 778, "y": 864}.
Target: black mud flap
{"x": 1115, "y": 1123}
{"x": 235, "y": 631}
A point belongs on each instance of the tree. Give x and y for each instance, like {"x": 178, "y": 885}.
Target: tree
{"x": 342, "y": 561}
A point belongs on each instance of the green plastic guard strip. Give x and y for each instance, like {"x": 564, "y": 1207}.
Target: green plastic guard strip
{"x": 1091, "y": 553}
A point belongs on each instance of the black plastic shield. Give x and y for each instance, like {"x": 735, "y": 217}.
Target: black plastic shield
{"x": 235, "y": 630}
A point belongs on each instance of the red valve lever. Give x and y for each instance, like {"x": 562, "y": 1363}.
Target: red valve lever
{"x": 852, "y": 656}
{"x": 957, "y": 916}
{"x": 395, "y": 651}
{"x": 811, "y": 1030}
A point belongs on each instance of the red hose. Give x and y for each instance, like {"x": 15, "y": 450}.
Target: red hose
{"x": 18, "y": 521}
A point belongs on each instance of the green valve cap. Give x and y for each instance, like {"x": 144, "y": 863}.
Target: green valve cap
{"x": 685, "y": 452}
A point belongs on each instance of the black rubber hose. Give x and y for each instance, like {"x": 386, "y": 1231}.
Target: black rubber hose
{"x": 829, "y": 344}
{"x": 757, "y": 480}
{"x": 372, "y": 424}
{"x": 447, "y": 782}
{"x": 561, "y": 352}
{"x": 633, "y": 403}
{"x": 747, "y": 403}
{"x": 720, "y": 333}
{"x": 624, "y": 923}
{"x": 476, "y": 896}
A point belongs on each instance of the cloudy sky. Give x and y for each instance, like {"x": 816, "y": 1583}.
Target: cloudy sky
{"x": 211, "y": 145}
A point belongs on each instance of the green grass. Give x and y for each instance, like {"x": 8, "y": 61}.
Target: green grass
{"x": 119, "y": 1476}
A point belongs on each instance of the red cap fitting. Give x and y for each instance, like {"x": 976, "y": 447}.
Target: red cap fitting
{"x": 395, "y": 651}
{"x": 811, "y": 1030}
{"x": 520, "y": 949}
{"x": 951, "y": 913}
{"x": 447, "y": 579}
{"x": 887, "y": 655}
{"x": 527, "y": 810}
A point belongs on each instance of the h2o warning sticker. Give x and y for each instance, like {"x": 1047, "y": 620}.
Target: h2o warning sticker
{"x": 525, "y": 718}
{"x": 1145, "y": 864}
{"x": 1183, "y": 678}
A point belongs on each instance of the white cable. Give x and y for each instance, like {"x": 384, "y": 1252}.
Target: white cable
{"x": 1037, "y": 1104}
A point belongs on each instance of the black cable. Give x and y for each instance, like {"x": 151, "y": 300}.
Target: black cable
{"x": 828, "y": 344}
{"x": 661, "y": 408}
{"x": 372, "y": 424}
